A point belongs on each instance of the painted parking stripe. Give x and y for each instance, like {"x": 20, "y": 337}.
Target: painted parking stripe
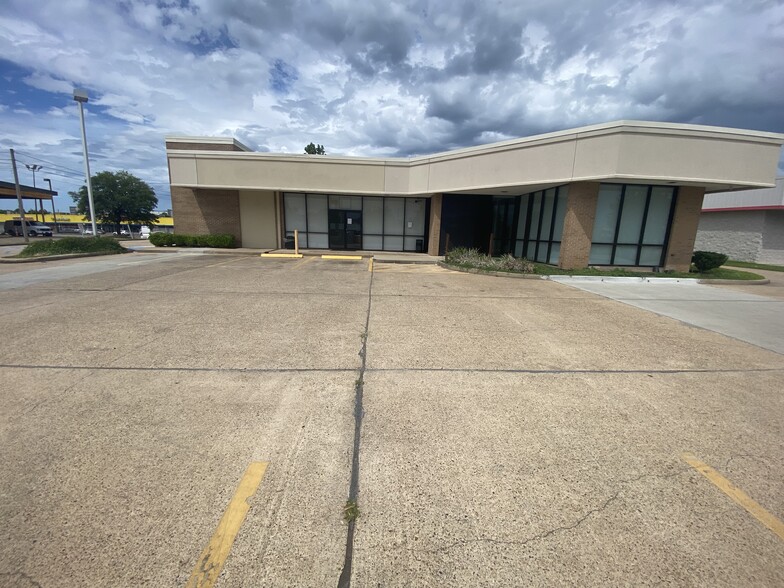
{"x": 339, "y": 257}
{"x": 304, "y": 261}
{"x": 211, "y": 561}
{"x": 737, "y": 495}
{"x": 282, "y": 255}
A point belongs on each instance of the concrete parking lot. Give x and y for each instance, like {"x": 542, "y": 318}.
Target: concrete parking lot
{"x": 513, "y": 432}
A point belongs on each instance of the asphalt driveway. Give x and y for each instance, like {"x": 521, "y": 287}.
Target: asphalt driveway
{"x": 512, "y": 432}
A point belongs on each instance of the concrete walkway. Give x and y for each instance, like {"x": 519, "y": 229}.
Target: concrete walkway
{"x": 733, "y": 311}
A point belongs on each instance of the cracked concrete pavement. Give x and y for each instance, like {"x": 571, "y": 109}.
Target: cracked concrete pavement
{"x": 515, "y": 432}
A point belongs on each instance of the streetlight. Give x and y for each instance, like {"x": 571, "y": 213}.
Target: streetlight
{"x": 34, "y": 167}
{"x": 54, "y": 209}
{"x": 81, "y": 97}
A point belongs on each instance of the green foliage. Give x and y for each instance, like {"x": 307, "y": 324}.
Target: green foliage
{"x": 351, "y": 511}
{"x": 752, "y": 265}
{"x": 180, "y": 240}
{"x": 67, "y": 245}
{"x": 119, "y": 198}
{"x": 313, "y": 149}
{"x": 464, "y": 257}
{"x": 707, "y": 260}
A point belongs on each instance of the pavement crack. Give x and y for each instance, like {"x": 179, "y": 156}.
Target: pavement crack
{"x": 353, "y": 491}
{"x": 604, "y": 505}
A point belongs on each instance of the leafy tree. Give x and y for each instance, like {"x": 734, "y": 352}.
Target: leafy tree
{"x": 119, "y": 197}
{"x": 312, "y": 149}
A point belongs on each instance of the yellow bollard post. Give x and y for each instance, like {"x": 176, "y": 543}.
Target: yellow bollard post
{"x": 296, "y": 242}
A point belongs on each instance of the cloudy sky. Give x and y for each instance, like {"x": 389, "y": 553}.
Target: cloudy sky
{"x": 370, "y": 77}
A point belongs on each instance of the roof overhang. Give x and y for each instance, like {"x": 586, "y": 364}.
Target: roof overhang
{"x": 715, "y": 158}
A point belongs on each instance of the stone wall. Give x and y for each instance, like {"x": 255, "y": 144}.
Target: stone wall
{"x": 738, "y": 234}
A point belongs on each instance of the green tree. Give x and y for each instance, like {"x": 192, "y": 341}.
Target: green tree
{"x": 312, "y": 149}
{"x": 119, "y": 197}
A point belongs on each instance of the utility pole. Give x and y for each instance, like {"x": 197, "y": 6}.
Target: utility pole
{"x": 54, "y": 208}
{"x": 34, "y": 167}
{"x": 19, "y": 197}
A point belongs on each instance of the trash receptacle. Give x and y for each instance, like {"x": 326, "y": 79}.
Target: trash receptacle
{"x": 420, "y": 245}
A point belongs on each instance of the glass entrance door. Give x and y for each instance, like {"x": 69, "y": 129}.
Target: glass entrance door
{"x": 345, "y": 229}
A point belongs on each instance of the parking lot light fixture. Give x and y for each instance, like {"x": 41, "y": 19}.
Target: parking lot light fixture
{"x": 81, "y": 97}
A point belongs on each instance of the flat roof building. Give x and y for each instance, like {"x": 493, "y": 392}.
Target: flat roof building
{"x": 747, "y": 225}
{"x": 624, "y": 193}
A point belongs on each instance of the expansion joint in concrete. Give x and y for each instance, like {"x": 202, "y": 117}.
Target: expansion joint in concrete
{"x": 353, "y": 491}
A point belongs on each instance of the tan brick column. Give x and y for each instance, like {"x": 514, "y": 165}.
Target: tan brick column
{"x": 206, "y": 212}
{"x": 578, "y": 225}
{"x": 684, "y": 228}
{"x": 434, "y": 239}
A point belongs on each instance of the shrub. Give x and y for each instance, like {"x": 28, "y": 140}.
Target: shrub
{"x": 705, "y": 261}
{"x": 473, "y": 258}
{"x": 181, "y": 240}
{"x": 160, "y": 239}
{"x": 68, "y": 245}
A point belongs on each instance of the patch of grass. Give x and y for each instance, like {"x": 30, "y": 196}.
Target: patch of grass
{"x": 472, "y": 259}
{"x": 752, "y": 265}
{"x": 69, "y": 245}
{"x": 350, "y": 511}
{"x": 714, "y": 274}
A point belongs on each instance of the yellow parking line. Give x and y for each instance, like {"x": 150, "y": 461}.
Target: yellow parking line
{"x": 351, "y": 257}
{"x": 305, "y": 261}
{"x": 210, "y": 564}
{"x": 370, "y": 265}
{"x": 736, "y": 494}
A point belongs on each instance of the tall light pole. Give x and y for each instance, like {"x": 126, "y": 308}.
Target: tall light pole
{"x": 81, "y": 97}
{"x": 54, "y": 208}
{"x": 34, "y": 167}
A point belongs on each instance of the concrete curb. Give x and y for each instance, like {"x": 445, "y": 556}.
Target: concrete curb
{"x": 470, "y": 270}
{"x": 12, "y": 260}
{"x": 617, "y": 279}
{"x": 736, "y": 282}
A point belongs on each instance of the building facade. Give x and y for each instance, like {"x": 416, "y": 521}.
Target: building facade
{"x": 746, "y": 225}
{"x": 617, "y": 194}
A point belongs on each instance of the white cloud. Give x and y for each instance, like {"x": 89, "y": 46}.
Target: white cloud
{"x": 380, "y": 78}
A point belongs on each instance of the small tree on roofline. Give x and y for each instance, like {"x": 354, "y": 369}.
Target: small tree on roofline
{"x": 313, "y": 149}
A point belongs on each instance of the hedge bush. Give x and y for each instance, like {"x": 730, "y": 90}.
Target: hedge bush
{"x": 707, "y": 260}
{"x": 69, "y": 245}
{"x": 180, "y": 240}
{"x": 464, "y": 257}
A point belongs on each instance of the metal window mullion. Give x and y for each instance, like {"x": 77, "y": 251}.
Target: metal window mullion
{"x": 648, "y": 197}
{"x": 526, "y": 234}
{"x": 618, "y": 224}
{"x": 539, "y": 225}
{"x": 552, "y": 225}
{"x": 670, "y": 217}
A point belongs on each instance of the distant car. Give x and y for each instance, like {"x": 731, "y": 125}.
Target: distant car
{"x": 34, "y": 228}
{"x": 89, "y": 231}
{"x": 144, "y": 233}
{"x": 122, "y": 233}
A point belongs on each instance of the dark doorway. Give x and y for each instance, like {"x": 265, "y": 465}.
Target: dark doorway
{"x": 345, "y": 229}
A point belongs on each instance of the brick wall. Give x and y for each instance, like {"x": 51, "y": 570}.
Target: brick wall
{"x": 206, "y": 212}
{"x": 684, "y": 228}
{"x": 434, "y": 238}
{"x": 578, "y": 225}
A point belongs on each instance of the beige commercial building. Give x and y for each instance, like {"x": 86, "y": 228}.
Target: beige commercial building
{"x": 626, "y": 193}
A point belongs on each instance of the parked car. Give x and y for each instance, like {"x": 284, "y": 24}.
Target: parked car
{"x": 34, "y": 228}
{"x": 144, "y": 233}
